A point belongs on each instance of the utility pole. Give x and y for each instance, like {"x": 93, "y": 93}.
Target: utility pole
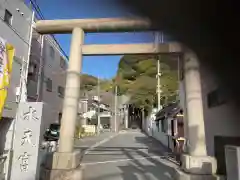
{"x": 158, "y": 84}
{"x": 158, "y": 39}
{"x": 98, "y": 114}
{"x": 115, "y": 109}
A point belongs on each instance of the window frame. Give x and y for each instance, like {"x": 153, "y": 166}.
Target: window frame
{"x": 34, "y": 74}
{"x": 216, "y": 98}
{"x": 62, "y": 63}
{"x": 60, "y": 94}
{"x": 51, "y": 52}
{"x": 5, "y": 18}
{"x": 47, "y": 85}
{"x": 163, "y": 125}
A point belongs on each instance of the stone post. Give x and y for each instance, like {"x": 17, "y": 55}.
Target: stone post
{"x": 196, "y": 161}
{"x": 72, "y": 94}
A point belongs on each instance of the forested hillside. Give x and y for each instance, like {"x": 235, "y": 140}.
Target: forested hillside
{"x": 136, "y": 77}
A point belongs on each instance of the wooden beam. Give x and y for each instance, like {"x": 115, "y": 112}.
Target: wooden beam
{"x": 93, "y": 25}
{"x": 121, "y": 49}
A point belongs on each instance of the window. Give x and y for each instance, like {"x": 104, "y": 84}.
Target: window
{"x": 59, "y": 117}
{"x": 8, "y": 17}
{"x": 49, "y": 85}
{"x": 61, "y": 91}
{"x": 216, "y": 98}
{"x": 33, "y": 71}
{"x": 163, "y": 125}
{"x": 51, "y": 52}
{"x": 157, "y": 125}
{"x": 62, "y": 63}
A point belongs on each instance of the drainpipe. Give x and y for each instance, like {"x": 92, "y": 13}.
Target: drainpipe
{"x": 41, "y": 72}
{"x": 23, "y": 97}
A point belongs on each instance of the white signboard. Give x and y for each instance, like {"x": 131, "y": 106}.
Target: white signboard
{"x": 26, "y": 158}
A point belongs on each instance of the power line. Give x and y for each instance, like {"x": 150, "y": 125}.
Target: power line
{"x": 41, "y": 16}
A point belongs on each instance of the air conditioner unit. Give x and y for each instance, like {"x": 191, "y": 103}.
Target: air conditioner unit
{"x": 232, "y": 157}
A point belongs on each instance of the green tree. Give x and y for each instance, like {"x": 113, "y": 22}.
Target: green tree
{"x": 136, "y": 77}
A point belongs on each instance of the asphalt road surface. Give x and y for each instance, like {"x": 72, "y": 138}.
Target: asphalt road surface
{"x": 130, "y": 155}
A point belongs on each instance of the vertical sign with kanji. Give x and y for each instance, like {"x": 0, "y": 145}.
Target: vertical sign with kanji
{"x": 27, "y": 140}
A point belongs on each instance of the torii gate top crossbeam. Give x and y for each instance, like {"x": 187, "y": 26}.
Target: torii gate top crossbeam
{"x": 93, "y": 25}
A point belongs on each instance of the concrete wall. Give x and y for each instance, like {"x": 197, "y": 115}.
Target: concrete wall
{"x": 222, "y": 120}
{"x": 155, "y": 130}
{"x": 16, "y": 34}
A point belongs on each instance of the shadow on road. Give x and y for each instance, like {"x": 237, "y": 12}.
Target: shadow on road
{"x": 145, "y": 163}
{"x": 159, "y": 147}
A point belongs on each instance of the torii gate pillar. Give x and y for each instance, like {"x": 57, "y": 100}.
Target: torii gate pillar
{"x": 66, "y": 160}
{"x": 195, "y": 162}
{"x": 72, "y": 94}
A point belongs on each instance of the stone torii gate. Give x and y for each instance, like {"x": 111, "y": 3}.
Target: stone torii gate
{"x": 196, "y": 161}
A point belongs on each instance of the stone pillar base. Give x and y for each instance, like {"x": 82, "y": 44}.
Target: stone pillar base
{"x": 62, "y": 174}
{"x": 62, "y": 166}
{"x": 181, "y": 175}
{"x": 199, "y": 165}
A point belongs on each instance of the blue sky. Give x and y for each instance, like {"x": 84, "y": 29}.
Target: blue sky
{"x": 102, "y": 66}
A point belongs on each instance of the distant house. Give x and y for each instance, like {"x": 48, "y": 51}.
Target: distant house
{"x": 170, "y": 121}
{"x": 89, "y": 107}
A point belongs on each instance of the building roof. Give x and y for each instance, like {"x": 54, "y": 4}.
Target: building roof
{"x": 169, "y": 110}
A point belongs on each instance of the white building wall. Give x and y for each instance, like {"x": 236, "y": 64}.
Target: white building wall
{"x": 51, "y": 69}
{"x": 17, "y": 34}
{"x": 222, "y": 120}
{"x": 159, "y": 134}
{"x": 155, "y": 130}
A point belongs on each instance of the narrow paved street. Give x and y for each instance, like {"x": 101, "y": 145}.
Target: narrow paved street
{"x": 130, "y": 155}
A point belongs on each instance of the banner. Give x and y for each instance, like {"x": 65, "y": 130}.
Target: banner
{"x": 6, "y": 61}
